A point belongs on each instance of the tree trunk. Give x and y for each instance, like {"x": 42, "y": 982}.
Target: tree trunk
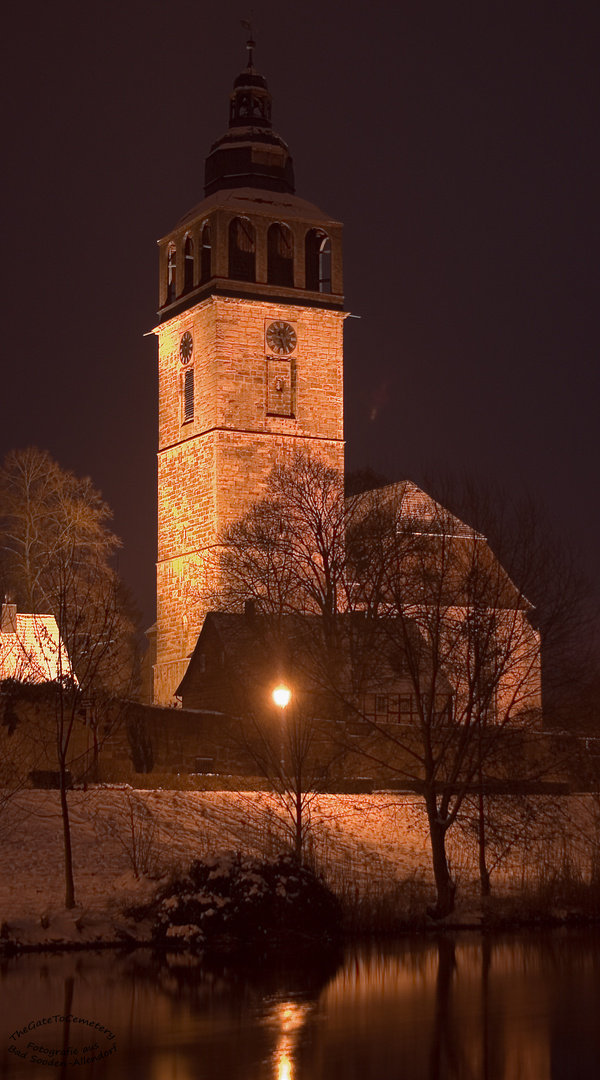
{"x": 444, "y": 884}
{"x": 298, "y": 822}
{"x": 484, "y": 877}
{"x": 69, "y": 883}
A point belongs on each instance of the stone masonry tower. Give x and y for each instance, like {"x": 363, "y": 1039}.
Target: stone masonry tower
{"x": 250, "y": 357}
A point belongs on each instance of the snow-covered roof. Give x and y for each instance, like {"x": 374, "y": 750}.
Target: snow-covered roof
{"x": 34, "y": 652}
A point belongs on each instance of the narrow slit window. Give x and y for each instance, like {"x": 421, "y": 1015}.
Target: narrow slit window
{"x": 188, "y": 395}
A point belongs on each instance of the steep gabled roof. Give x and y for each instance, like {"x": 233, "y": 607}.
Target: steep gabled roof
{"x": 414, "y": 505}
{"x": 466, "y": 551}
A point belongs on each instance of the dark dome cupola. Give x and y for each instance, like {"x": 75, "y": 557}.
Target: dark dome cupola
{"x": 250, "y": 154}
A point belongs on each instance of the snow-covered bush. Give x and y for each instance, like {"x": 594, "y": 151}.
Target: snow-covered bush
{"x": 231, "y": 900}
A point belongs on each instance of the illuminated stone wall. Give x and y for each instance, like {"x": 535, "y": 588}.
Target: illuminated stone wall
{"x": 212, "y": 467}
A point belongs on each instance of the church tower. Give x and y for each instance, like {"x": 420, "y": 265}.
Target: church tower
{"x": 250, "y": 357}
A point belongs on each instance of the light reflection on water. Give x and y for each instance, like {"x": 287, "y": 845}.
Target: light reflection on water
{"x": 449, "y": 1008}
{"x": 289, "y": 1019}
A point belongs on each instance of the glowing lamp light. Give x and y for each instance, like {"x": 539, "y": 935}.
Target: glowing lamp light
{"x": 281, "y": 696}
{"x": 284, "y": 1068}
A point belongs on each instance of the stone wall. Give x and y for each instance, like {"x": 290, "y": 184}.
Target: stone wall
{"x": 213, "y": 467}
{"x": 151, "y": 746}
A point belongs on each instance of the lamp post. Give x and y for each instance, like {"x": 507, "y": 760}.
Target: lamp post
{"x": 281, "y": 696}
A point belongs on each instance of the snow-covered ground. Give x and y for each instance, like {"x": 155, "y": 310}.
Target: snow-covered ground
{"x": 360, "y": 842}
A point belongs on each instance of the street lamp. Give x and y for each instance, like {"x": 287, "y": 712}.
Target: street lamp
{"x": 281, "y": 696}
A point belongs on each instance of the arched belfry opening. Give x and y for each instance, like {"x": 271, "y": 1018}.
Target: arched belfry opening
{"x": 242, "y": 250}
{"x": 251, "y": 105}
{"x": 280, "y": 255}
{"x": 171, "y": 273}
{"x": 318, "y": 261}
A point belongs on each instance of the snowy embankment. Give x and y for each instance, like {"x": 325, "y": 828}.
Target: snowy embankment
{"x": 358, "y": 841}
{"x": 353, "y": 837}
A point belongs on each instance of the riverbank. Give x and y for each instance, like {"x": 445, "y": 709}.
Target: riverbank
{"x": 372, "y": 850}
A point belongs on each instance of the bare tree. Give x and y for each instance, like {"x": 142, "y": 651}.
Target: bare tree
{"x": 290, "y": 752}
{"x": 288, "y": 553}
{"x": 550, "y": 573}
{"x": 43, "y": 510}
{"x": 471, "y": 658}
{"x": 56, "y": 549}
{"x": 98, "y": 640}
{"x": 423, "y": 639}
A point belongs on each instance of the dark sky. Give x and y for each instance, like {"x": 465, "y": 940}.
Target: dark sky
{"x": 458, "y": 142}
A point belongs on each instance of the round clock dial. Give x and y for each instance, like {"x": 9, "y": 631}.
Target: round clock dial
{"x": 281, "y": 337}
{"x": 186, "y": 347}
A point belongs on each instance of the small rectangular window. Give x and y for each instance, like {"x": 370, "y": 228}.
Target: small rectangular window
{"x": 188, "y": 395}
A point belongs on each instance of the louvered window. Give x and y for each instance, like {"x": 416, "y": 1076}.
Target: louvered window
{"x": 188, "y": 395}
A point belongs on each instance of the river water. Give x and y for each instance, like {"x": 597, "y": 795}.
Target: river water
{"x": 461, "y": 1007}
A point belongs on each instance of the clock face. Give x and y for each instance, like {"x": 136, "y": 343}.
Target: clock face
{"x": 186, "y": 347}
{"x": 281, "y": 338}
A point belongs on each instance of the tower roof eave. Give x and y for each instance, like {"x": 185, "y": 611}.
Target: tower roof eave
{"x": 256, "y": 201}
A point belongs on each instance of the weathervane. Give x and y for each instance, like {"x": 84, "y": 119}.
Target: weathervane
{"x": 248, "y": 25}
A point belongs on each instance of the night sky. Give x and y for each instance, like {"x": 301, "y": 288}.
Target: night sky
{"x": 458, "y": 143}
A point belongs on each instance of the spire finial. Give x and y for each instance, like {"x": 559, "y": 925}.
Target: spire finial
{"x": 248, "y": 25}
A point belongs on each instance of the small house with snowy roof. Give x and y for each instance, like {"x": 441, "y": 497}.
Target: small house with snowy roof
{"x": 31, "y": 648}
